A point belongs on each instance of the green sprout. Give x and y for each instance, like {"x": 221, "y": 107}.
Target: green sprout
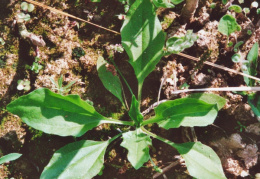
{"x": 59, "y": 86}
{"x": 240, "y": 126}
{"x": 36, "y": 66}
{"x": 23, "y": 85}
{"x": 27, "y": 7}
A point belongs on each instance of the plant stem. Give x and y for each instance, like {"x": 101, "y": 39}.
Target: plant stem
{"x": 158, "y": 137}
{"x": 114, "y": 138}
{"x": 127, "y": 123}
{"x": 218, "y": 89}
{"x": 140, "y": 86}
{"x": 150, "y": 121}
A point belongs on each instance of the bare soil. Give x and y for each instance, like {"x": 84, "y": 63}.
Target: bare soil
{"x": 235, "y": 135}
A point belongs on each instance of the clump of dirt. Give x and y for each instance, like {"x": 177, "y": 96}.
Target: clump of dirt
{"x": 229, "y": 149}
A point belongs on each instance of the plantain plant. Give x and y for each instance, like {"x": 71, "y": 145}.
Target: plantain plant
{"x": 144, "y": 42}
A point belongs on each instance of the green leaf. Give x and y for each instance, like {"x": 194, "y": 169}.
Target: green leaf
{"x": 228, "y": 25}
{"x": 143, "y": 39}
{"x": 235, "y": 8}
{"x": 24, "y": 6}
{"x": 110, "y": 81}
{"x": 178, "y": 44}
{"x": 30, "y": 7}
{"x": 134, "y": 112}
{"x": 210, "y": 99}
{"x": 201, "y": 160}
{"x": 25, "y": 17}
{"x": 95, "y": 0}
{"x": 9, "y": 157}
{"x": 254, "y": 102}
{"x": 56, "y": 114}
{"x": 185, "y": 112}
{"x": 82, "y": 159}
{"x": 224, "y": 1}
{"x": 236, "y": 58}
{"x": 163, "y": 3}
{"x": 251, "y": 65}
{"x": 136, "y": 142}
{"x": 237, "y": 46}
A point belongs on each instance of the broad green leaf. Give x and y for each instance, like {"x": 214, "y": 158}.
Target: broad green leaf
{"x": 210, "y": 99}
{"x": 185, "y": 112}
{"x": 228, "y": 25}
{"x": 251, "y": 65}
{"x": 163, "y": 3}
{"x": 143, "y": 39}
{"x": 9, "y": 157}
{"x": 235, "y": 8}
{"x": 82, "y": 159}
{"x": 136, "y": 142}
{"x": 56, "y": 114}
{"x": 134, "y": 112}
{"x": 178, "y": 44}
{"x": 254, "y": 102}
{"x": 110, "y": 81}
{"x": 201, "y": 161}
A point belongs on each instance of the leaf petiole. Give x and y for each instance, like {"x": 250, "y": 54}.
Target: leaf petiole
{"x": 158, "y": 137}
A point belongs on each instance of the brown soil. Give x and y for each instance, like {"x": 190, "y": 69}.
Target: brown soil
{"x": 237, "y": 145}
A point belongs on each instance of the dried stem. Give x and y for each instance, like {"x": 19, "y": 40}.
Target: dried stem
{"x": 217, "y": 89}
{"x": 69, "y": 15}
{"x": 218, "y": 66}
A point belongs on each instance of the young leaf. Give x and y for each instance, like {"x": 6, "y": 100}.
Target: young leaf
{"x": 24, "y": 6}
{"x": 143, "y": 39}
{"x": 251, "y": 65}
{"x": 30, "y": 7}
{"x": 82, "y": 159}
{"x": 184, "y": 112}
{"x": 238, "y": 45}
{"x": 9, "y": 157}
{"x": 56, "y": 114}
{"x": 235, "y": 8}
{"x": 136, "y": 142}
{"x": 236, "y": 58}
{"x": 201, "y": 160}
{"x": 110, "y": 81}
{"x": 228, "y": 25}
{"x": 178, "y": 44}
{"x": 134, "y": 112}
{"x": 210, "y": 99}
